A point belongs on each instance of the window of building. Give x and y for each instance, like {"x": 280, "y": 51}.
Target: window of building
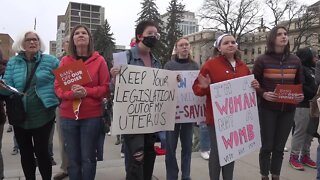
{"x": 318, "y": 38}
{"x": 259, "y": 50}
{"x": 245, "y": 39}
{"x": 95, "y": 21}
{"x": 95, "y": 15}
{"x": 85, "y": 20}
{"x": 75, "y": 6}
{"x": 85, "y": 7}
{"x": 76, "y": 19}
{"x": 95, "y": 8}
{"x": 252, "y": 52}
{"x": 75, "y": 13}
{"x": 85, "y": 14}
{"x": 253, "y": 39}
{"x": 245, "y": 51}
{"x": 295, "y": 41}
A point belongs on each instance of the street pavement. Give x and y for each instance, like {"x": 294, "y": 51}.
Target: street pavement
{"x": 112, "y": 168}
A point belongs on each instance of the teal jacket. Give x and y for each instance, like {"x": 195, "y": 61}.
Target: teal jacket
{"x": 16, "y": 72}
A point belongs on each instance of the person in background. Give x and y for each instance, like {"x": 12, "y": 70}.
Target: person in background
{"x": 3, "y": 118}
{"x": 64, "y": 159}
{"x": 301, "y": 140}
{"x": 225, "y": 65}
{"x": 181, "y": 62}
{"x": 40, "y": 103}
{"x": 81, "y": 129}
{"x": 139, "y": 148}
{"x": 276, "y": 66}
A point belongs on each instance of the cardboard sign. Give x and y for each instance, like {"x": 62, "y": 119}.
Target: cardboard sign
{"x": 190, "y": 108}
{"x": 287, "y": 92}
{"x": 235, "y": 110}
{"x": 73, "y": 73}
{"x": 145, "y": 100}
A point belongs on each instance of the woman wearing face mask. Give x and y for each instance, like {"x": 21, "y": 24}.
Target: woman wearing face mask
{"x": 276, "y": 66}
{"x": 139, "y": 148}
{"x": 182, "y": 61}
{"x": 81, "y": 129}
{"x": 224, "y": 66}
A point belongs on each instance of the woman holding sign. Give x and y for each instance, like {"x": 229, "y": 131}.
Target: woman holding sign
{"x": 276, "y": 66}
{"x": 80, "y": 109}
{"x": 31, "y": 72}
{"x": 181, "y": 61}
{"x": 224, "y": 66}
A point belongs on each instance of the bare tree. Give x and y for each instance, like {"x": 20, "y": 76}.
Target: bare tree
{"x": 231, "y": 16}
{"x": 300, "y": 22}
{"x": 279, "y": 8}
{"x": 303, "y": 27}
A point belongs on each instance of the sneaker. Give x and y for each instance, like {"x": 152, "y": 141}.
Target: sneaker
{"x": 295, "y": 163}
{"x": 60, "y": 176}
{"x": 109, "y": 133}
{"x": 117, "y": 142}
{"x": 205, "y": 155}
{"x": 9, "y": 129}
{"x": 159, "y": 151}
{"x": 122, "y": 155}
{"x": 285, "y": 149}
{"x": 53, "y": 162}
{"x": 306, "y": 160}
{"x": 15, "y": 151}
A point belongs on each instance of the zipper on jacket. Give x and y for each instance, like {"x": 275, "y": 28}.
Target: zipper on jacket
{"x": 282, "y": 80}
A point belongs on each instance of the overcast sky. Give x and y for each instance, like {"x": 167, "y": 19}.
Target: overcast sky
{"x": 18, "y": 15}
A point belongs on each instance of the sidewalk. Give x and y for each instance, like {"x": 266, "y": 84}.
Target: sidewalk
{"x": 112, "y": 168}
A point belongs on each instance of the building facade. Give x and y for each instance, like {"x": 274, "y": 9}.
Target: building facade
{"x": 77, "y": 13}
{"x": 80, "y": 13}
{"x": 52, "y": 48}
{"x": 189, "y": 24}
{"x": 6, "y": 43}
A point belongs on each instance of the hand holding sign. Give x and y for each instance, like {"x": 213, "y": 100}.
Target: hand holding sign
{"x": 204, "y": 82}
{"x": 270, "y": 96}
{"x": 78, "y": 91}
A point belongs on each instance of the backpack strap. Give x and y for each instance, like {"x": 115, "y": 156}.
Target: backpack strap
{"x": 130, "y": 56}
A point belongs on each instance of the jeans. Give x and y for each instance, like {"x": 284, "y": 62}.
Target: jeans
{"x": 80, "y": 141}
{"x": 204, "y": 137}
{"x": 275, "y": 127}
{"x": 162, "y": 137}
{"x": 50, "y": 145}
{"x": 63, "y": 154}
{"x": 214, "y": 164}
{"x": 34, "y": 142}
{"x": 318, "y": 161}
{"x": 185, "y": 131}
{"x": 1, "y": 158}
{"x": 301, "y": 140}
{"x": 140, "y": 156}
{"x": 100, "y": 145}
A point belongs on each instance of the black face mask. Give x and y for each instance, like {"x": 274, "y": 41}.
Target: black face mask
{"x": 150, "y": 41}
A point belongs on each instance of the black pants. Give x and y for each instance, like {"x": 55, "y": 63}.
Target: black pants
{"x": 275, "y": 128}
{"x": 140, "y": 170}
{"x": 34, "y": 142}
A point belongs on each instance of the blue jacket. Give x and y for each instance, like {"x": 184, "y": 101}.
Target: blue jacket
{"x": 16, "y": 72}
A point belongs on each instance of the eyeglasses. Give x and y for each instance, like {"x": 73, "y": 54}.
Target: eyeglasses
{"x": 184, "y": 45}
{"x": 157, "y": 35}
{"x": 28, "y": 40}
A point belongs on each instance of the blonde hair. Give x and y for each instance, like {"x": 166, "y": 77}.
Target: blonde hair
{"x": 18, "y": 44}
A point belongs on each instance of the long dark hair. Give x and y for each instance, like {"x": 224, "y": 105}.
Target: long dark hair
{"x": 272, "y": 38}
{"x": 72, "y": 46}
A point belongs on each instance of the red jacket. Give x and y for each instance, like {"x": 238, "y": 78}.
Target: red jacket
{"x": 96, "y": 89}
{"x": 219, "y": 69}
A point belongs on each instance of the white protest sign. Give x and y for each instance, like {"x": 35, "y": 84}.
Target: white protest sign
{"x": 120, "y": 58}
{"x": 144, "y": 100}
{"x": 190, "y": 108}
{"x": 236, "y": 118}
